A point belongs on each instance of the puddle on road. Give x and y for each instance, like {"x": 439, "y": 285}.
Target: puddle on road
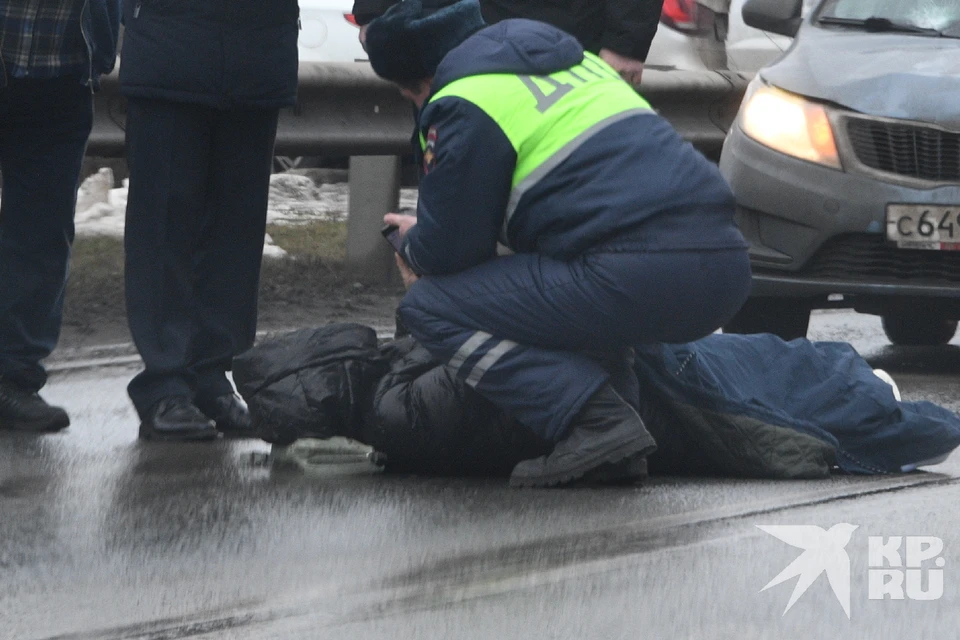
{"x": 23, "y": 486}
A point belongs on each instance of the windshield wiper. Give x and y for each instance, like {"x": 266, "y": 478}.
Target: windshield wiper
{"x": 878, "y": 25}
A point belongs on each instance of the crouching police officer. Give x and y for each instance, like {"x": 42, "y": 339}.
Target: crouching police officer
{"x": 622, "y": 233}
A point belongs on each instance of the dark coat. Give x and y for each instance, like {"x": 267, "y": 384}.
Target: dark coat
{"x": 101, "y": 27}
{"x": 336, "y": 381}
{"x": 624, "y": 26}
{"x": 221, "y": 53}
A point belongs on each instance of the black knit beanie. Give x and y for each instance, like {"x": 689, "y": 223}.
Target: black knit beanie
{"x": 405, "y": 44}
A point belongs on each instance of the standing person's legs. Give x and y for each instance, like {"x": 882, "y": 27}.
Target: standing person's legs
{"x": 168, "y": 153}
{"x": 228, "y": 267}
{"x": 44, "y": 126}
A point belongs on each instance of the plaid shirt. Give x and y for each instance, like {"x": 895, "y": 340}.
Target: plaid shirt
{"x": 42, "y": 38}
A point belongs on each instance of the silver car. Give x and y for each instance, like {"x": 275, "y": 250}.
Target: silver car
{"x": 707, "y": 35}
{"x": 845, "y": 162}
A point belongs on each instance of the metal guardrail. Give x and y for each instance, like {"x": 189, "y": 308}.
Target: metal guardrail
{"x": 345, "y": 109}
{"x": 342, "y": 108}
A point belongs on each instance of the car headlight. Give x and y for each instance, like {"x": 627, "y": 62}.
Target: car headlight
{"x": 789, "y": 124}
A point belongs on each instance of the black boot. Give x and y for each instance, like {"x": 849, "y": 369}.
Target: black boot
{"x": 176, "y": 419}
{"x": 605, "y": 432}
{"x": 22, "y": 409}
{"x": 229, "y": 413}
{"x": 630, "y": 470}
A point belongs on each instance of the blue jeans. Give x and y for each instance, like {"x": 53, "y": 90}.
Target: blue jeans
{"x": 44, "y": 126}
{"x": 538, "y": 336}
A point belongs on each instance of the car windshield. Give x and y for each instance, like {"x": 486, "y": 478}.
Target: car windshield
{"x": 925, "y": 14}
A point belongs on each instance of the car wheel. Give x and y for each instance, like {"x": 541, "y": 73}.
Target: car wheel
{"x": 787, "y": 318}
{"x": 918, "y": 330}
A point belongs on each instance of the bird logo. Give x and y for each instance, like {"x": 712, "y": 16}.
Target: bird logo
{"x": 823, "y": 552}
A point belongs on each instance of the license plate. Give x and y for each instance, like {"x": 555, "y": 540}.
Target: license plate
{"x": 920, "y": 226}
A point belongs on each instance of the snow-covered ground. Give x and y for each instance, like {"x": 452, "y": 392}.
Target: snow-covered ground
{"x": 294, "y": 199}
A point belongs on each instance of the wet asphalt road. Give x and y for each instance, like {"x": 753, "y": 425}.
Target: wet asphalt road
{"x": 104, "y": 537}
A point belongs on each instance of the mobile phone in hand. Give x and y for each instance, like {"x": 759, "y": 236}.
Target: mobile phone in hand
{"x": 392, "y": 233}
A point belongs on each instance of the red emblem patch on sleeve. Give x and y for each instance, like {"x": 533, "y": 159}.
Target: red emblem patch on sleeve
{"x": 429, "y": 151}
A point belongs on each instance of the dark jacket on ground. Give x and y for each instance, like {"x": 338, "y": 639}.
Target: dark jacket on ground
{"x": 221, "y": 54}
{"x": 636, "y": 171}
{"x": 624, "y": 26}
{"x": 745, "y": 406}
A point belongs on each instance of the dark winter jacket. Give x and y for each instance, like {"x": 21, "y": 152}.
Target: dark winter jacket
{"x": 101, "y": 25}
{"x": 624, "y": 26}
{"x": 336, "y": 381}
{"x": 219, "y": 53}
{"x": 630, "y": 172}
{"x": 745, "y": 406}
{"x": 751, "y": 404}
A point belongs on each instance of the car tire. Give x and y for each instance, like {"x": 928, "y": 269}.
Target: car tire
{"x": 918, "y": 330}
{"x": 787, "y": 318}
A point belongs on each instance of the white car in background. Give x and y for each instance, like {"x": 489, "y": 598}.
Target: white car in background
{"x": 711, "y": 35}
{"x": 328, "y": 32}
{"x": 692, "y": 36}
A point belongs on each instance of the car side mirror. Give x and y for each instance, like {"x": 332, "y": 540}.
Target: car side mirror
{"x": 775, "y": 16}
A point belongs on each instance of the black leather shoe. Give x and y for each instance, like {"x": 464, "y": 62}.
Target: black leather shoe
{"x": 176, "y": 419}
{"x": 230, "y": 414}
{"x": 22, "y": 409}
{"x": 606, "y": 431}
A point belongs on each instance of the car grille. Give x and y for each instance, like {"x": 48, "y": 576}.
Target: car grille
{"x": 857, "y": 256}
{"x": 911, "y": 150}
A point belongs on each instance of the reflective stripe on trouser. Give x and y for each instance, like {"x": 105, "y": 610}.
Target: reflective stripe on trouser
{"x": 481, "y": 342}
{"x": 528, "y": 332}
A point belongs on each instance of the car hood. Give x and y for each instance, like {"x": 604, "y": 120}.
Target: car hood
{"x": 881, "y": 74}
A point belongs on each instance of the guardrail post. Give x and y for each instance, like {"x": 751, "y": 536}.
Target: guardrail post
{"x": 374, "y": 191}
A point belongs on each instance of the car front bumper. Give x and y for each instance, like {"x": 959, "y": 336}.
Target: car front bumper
{"x": 820, "y": 233}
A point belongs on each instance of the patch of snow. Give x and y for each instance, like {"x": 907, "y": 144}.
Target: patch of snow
{"x": 95, "y": 189}
{"x": 101, "y": 208}
{"x": 271, "y": 250}
{"x": 99, "y": 219}
{"x": 408, "y": 199}
{"x": 117, "y": 198}
{"x": 294, "y": 199}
